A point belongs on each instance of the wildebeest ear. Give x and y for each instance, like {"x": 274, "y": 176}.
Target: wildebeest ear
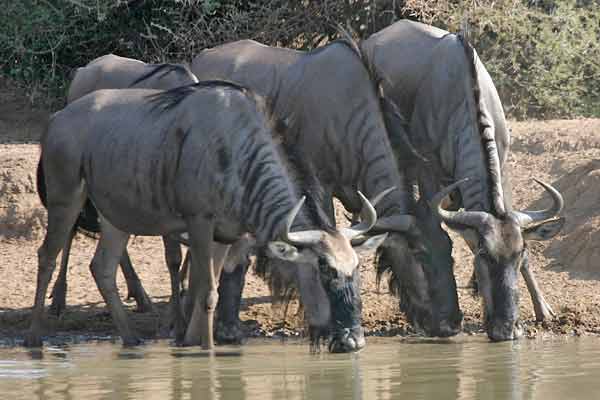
{"x": 369, "y": 245}
{"x": 283, "y": 251}
{"x": 545, "y": 230}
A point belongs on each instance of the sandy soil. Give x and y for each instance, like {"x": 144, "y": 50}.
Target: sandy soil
{"x": 566, "y": 153}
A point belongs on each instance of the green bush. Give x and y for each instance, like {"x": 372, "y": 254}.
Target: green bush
{"x": 41, "y": 41}
{"x": 542, "y": 54}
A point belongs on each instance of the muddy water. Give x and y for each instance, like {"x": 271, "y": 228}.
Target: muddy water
{"x": 462, "y": 368}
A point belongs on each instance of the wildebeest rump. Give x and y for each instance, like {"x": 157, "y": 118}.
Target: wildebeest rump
{"x": 336, "y": 129}
{"x": 198, "y": 158}
{"x": 455, "y": 119}
{"x": 113, "y": 72}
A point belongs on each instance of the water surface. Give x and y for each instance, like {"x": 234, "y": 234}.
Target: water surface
{"x": 461, "y": 368}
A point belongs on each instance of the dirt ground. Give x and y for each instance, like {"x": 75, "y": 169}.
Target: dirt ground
{"x": 564, "y": 153}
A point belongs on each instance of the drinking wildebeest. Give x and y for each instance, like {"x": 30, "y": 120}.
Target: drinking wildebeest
{"x": 455, "y": 119}
{"x": 113, "y": 72}
{"x": 330, "y": 102}
{"x": 200, "y": 159}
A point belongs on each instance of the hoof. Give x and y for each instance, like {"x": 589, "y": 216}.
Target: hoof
{"x": 32, "y": 340}
{"x": 503, "y": 331}
{"x": 132, "y": 341}
{"x": 57, "y": 308}
{"x": 229, "y": 333}
{"x": 144, "y": 305}
{"x": 347, "y": 341}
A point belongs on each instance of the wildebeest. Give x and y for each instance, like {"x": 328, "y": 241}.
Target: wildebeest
{"x": 199, "y": 159}
{"x": 336, "y": 129}
{"x": 454, "y": 118}
{"x": 113, "y": 72}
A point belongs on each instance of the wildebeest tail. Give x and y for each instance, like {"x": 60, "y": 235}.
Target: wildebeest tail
{"x": 41, "y": 183}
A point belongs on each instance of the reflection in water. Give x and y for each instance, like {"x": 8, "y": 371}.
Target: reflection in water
{"x": 462, "y": 368}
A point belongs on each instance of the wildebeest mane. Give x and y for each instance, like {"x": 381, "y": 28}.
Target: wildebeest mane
{"x": 397, "y": 286}
{"x": 347, "y": 39}
{"x": 304, "y": 176}
{"x": 486, "y": 133}
{"x": 399, "y": 138}
{"x": 163, "y": 70}
{"x": 166, "y": 100}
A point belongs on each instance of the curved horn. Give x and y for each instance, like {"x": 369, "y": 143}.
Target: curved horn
{"x": 375, "y": 200}
{"x": 301, "y": 238}
{"x": 368, "y": 216}
{"x": 473, "y": 219}
{"x": 395, "y": 223}
{"x": 527, "y": 218}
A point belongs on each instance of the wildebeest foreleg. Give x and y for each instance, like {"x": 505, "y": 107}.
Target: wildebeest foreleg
{"x": 202, "y": 283}
{"x": 228, "y": 310}
{"x": 219, "y": 253}
{"x": 135, "y": 289}
{"x": 173, "y": 258}
{"x": 183, "y": 272}
{"x": 61, "y": 219}
{"x": 110, "y": 248}
{"x": 543, "y": 311}
{"x": 59, "y": 292}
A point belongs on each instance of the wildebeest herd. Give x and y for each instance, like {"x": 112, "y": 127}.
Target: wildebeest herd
{"x": 244, "y": 152}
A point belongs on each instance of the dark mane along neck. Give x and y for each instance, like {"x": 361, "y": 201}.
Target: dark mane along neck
{"x": 272, "y": 181}
{"x": 486, "y": 131}
{"x": 161, "y": 70}
{"x": 169, "y": 99}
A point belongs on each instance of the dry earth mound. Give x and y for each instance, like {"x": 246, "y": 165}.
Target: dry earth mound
{"x": 579, "y": 250}
{"x": 21, "y": 213}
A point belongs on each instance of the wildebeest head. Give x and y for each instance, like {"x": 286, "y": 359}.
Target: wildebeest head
{"x": 501, "y": 250}
{"x": 328, "y": 277}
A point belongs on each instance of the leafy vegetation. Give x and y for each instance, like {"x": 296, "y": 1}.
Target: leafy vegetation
{"x": 542, "y": 54}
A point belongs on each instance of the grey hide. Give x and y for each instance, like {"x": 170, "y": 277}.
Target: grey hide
{"x": 455, "y": 119}
{"x": 198, "y": 158}
{"x": 114, "y": 72}
{"x": 330, "y": 104}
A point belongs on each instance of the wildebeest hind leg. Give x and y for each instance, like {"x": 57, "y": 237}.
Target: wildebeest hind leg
{"x": 110, "y": 248}
{"x": 543, "y": 311}
{"x": 135, "y": 289}
{"x": 59, "y": 292}
{"x": 173, "y": 259}
{"x": 61, "y": 219}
